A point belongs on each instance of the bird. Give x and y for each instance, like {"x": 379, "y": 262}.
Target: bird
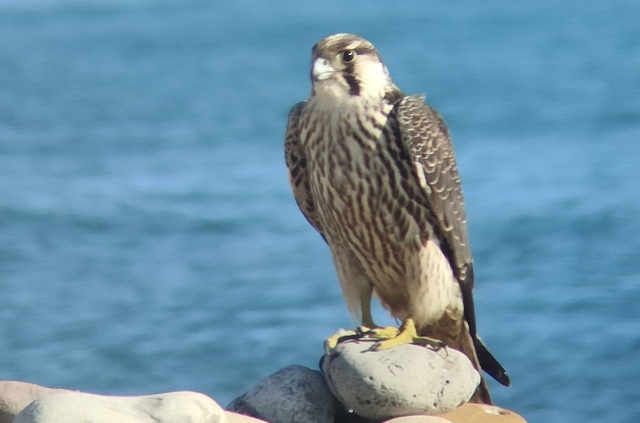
{"x": 374, "y": 172}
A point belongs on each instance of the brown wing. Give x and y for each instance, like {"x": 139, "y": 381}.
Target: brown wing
{"x": 426, "y": 138}
{"x": 297, "y": 165}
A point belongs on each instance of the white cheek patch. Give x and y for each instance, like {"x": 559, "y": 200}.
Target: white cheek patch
{"x": 373, "y": 78}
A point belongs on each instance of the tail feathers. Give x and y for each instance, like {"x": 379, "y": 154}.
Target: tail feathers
{"x": 467, "y": 346}
{"x": 489, "y": 363}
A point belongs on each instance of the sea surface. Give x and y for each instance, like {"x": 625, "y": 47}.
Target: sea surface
{"x": 149, "y": 241}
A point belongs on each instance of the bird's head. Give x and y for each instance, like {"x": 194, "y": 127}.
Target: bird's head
{"x": 345, "y": 65}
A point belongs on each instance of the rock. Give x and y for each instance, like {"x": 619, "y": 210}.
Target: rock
{"x": 419, "y": 419}
{"x": 78, "y": 407}
{"x": 399, "y": 381}
{"x": 351, "y": 418}
{"x": 15, "y": 396}
{"x": 466, "y": 413}
{"x": 241, "y": 418}
{"x": 481, "y": 413}
{"x": 294, "y": 394}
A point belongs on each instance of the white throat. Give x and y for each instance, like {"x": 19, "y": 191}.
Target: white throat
{"x": 374, "y": 79}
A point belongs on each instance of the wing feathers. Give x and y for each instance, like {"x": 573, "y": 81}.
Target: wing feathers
{"x": 297, "y": 165}
{"x": 426, "y": 138}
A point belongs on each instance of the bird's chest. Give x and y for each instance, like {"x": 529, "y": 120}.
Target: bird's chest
{"x": 345, "y": 148}
{"x": 352, "y": 178}
{"x": 346, "y": 164}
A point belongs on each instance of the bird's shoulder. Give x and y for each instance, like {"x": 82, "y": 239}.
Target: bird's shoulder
{"x": 419, "y": 119}
{"x": 292, "y": 134}
{"x": 294, "y": 114}
{"x": 426, "y": 138}
{"x": 296, "y": 162}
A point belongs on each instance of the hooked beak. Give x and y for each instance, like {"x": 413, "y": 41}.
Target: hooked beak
{"x": 321, "y": 69}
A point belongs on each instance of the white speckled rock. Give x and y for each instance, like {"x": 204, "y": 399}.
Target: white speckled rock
{"x": 294, "y": 394}
{"x": 399, "y": 381}
{"x": 15, "y": 396}
{"x": 77, "y": 407}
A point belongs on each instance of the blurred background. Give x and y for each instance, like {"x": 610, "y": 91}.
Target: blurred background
{"x": 149, "y": 241}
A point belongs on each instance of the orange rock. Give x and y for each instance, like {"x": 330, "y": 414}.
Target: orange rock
{"x": 418, "y": 419}
{"x": 466, "y": 413}
{"x": 480, "y": 413}
{"x": 240, "y": 418}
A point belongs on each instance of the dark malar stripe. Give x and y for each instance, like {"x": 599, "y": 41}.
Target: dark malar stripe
{"x": 352, "y": 81}
{"x": 354, "y": 84}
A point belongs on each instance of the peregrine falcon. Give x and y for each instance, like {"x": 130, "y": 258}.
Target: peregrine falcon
{"x": 374, "y": 173}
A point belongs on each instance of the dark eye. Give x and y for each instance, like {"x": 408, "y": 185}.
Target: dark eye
{"x": 348, "y": 56}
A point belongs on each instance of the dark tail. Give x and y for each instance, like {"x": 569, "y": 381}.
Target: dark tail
{"x": 473, "y": 346}
{"x": 489, "y": 363}
{"x": 468, "y": 346}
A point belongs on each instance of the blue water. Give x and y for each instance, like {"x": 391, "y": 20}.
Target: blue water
{"x": 149, "y": 241}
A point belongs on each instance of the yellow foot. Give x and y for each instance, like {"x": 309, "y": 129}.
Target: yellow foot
{"x": 344, "y": 335}
{"x": 385, "y": 337}
{"x": 390, "y": 337}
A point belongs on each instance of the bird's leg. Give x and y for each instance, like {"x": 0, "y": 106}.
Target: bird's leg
{"x": 367, "y": 318}
{"x": 390, "y": 337}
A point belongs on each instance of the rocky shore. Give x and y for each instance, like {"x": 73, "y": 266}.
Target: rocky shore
{"x": 407, "y": 384}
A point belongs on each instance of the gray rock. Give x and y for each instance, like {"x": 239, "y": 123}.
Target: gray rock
{"x": 294, "y": 394}
{"x": 351, "y": 418}
{"x": 78, "y": 407}
{"x": 399, "y": 381}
